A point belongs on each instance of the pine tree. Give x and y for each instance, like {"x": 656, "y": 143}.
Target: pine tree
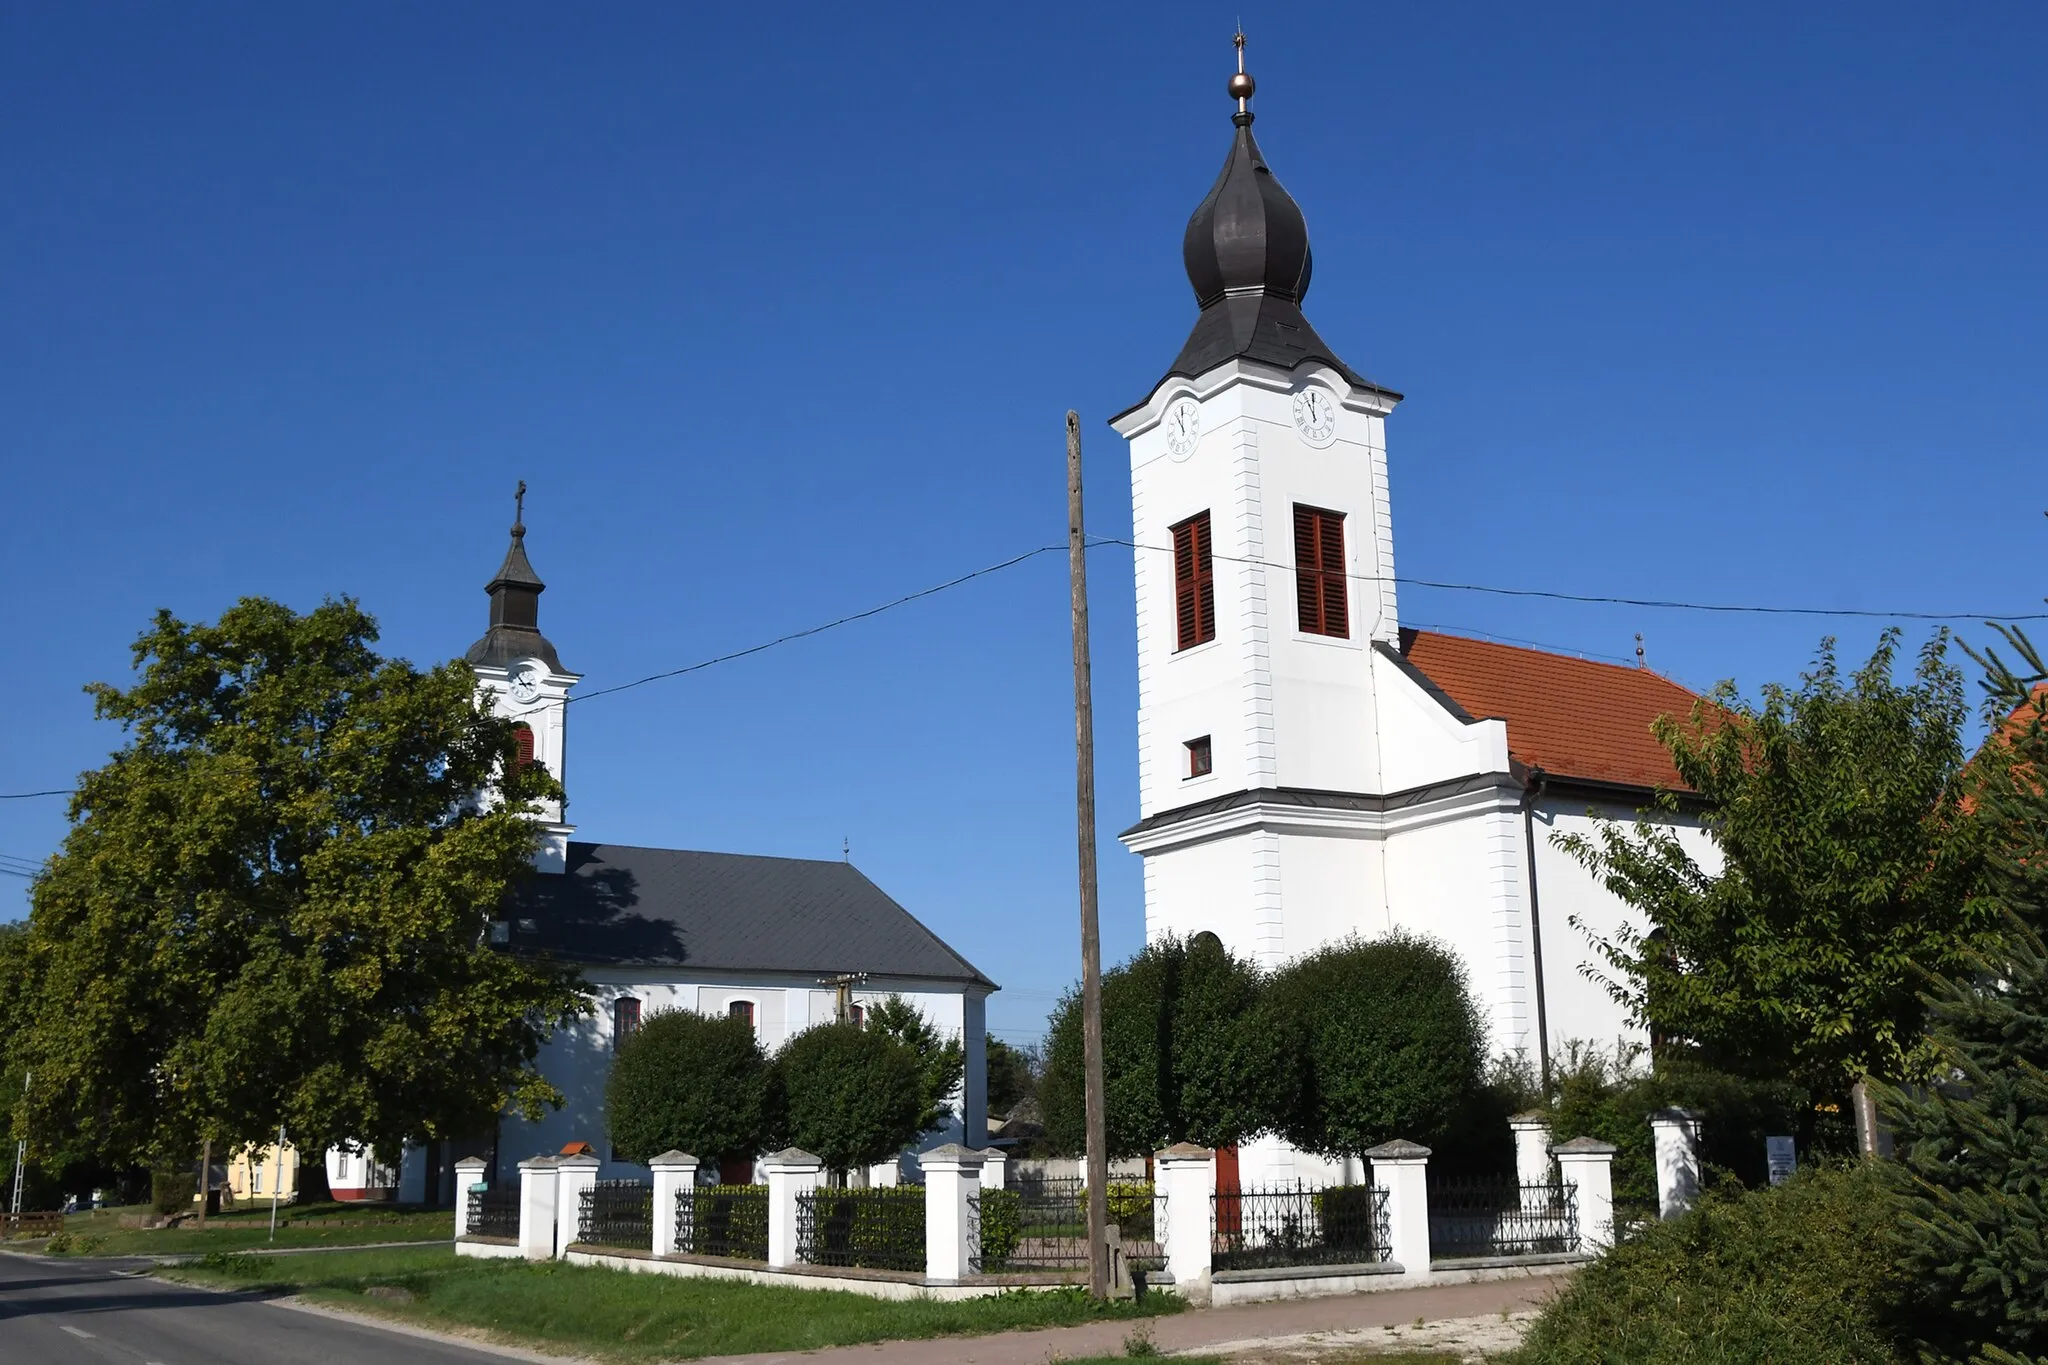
{"x": 1974, "y": 1148}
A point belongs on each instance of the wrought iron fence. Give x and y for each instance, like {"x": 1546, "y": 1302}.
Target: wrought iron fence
{"x": 494, "y": 1212}
{"x": 1501, "y": 1218}
{"x": 1296, "y": 1225}
{"x": 1041, "y": 1223}
{"x": 723, "y": 1220}
{"x": 617, "y": 1213}
{"x": 880, "y": 1229}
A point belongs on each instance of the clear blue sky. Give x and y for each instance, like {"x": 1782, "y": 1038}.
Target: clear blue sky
{"x": 778, "y": 310}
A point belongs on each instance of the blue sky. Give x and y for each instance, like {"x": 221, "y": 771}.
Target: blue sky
{"x": 778, "y": 309}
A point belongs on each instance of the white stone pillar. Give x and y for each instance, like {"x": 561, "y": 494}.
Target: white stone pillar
{"x": 1401, "y": 1168}
{"x": 1532, "y": 1148}
{"x": 674, "y": 1172}
{"x": 884, "y": 1175}
{"x": 1587, "y": 1166}
{"x": 573, "y": 1175}
{"x": 537, "y": 1208}
{"x": 952, "y": 1176}
{"x": 469, "y": 1174}
{"x": 995, "y": 1163}
{"x": 790, "y": 1172}
{"x": 1184, "y": 1178}
{"x": 1677, "y": 1133}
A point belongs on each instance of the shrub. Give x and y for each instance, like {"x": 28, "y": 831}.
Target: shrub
{"x": 1002, "y": 1227}
{"x": 1391, "y": 1044}
{"x": 941, "y": 1060}
{"x": 1799, "y": 1272}
{"x": 172, "y": 1191}
{"x": 693, "y": 1083}
{"x": 855, "y": 1096}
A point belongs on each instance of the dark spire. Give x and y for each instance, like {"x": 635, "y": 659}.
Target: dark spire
{"x": 515, "y": 605}
{"x": 1247, "y": 256}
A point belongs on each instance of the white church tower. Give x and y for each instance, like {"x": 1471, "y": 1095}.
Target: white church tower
{"x": 517, "y": 666}
{"x": 1299, "y": 780}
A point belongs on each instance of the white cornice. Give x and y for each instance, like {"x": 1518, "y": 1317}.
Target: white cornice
{"x": 1483, "y": 794}
{"x": 1238, "y": 370}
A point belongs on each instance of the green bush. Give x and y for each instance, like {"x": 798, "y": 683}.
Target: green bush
{"x": 173, "y": 1191}
{"x": 693, "y": 1083}
{"x": 1002, "y": 1228}
{"x": 855, "y": 1096}
{"x": 1802, "y": 1272}
{"x": 1391, "y": 1044}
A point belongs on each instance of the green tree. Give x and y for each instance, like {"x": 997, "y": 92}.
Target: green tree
{"x": 1012, "y": 1075}
{"x": 941, "y": 1060}
{"x": 273, "y": 903}
{"x": 1190, "y": 1053}
{"x": 1846, "y": 867}
{"x": 693, "y": 1083}
{"x": 854, "y": 1096}
{"x": 1973, "y": 1147}
{"x": 1390, "y": 1042}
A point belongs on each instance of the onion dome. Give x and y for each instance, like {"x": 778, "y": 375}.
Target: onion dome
{"x": 1247, "y": 256}
{"x": 515, "y": 591}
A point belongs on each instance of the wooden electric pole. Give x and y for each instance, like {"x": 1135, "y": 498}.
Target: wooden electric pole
{"x": 1091, "y": 937}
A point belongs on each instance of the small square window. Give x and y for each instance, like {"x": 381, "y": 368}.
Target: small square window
{"x": 1199, "y": 762}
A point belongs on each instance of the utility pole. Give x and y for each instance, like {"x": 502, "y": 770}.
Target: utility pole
{"x": 1091, "y": 937}
{"x": 205, "y": 1177}
{"x": 843, "y": 984}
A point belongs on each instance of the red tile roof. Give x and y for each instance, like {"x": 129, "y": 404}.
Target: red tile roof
{"x": 1570, "y": 717}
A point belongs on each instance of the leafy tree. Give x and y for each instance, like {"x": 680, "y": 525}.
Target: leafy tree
{"x": 1390, "y": 1042}
{"x": 1189, "y": 1053}
{"x": 273, "y": 903}
{"x": 940, "y": 1059}
{"x": 1846, "y": 866}
{"x": 693, "y": 1083}
{"x": 855, "y": 1096}
{"x": 1974, "y": 1145}
{"x": 1012, "y": 1075}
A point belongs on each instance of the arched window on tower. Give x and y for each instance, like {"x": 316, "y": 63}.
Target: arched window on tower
{"x": 522, "y": 737}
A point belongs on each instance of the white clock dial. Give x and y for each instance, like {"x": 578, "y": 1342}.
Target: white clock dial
{"x": 525, "y": 681}
{"x": 1183, "y": 427}
{"x": 1315, "y": 416}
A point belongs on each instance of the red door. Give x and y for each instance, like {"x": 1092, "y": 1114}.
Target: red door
{"x": 1229, "y": 1206}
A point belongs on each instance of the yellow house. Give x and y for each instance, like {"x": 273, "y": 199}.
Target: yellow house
{"x": 253, "y": 1176}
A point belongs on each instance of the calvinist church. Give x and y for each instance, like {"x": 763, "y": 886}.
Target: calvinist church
{"x": 1308, "y": 768}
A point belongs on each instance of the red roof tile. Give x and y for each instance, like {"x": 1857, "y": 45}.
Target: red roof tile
{"x": 1570, "y": 717}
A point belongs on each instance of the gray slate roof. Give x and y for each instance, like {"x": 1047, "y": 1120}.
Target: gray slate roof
{"x": 623, "y": 906}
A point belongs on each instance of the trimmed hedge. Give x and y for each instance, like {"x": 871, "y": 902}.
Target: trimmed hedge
{"x": 1804, "y": 1272}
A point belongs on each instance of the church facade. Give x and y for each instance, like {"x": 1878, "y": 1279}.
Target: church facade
{"x": 1309, "y": 770}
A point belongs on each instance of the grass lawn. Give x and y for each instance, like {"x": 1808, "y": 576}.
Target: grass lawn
{"x": 99, "y": 1233}
{"x": 623, "y": 1316}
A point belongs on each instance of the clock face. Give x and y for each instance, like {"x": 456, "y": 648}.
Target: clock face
{"x": 525, "y": 681}
{"x": 1315, "y": 416}
{"x": 1183, "y": 427}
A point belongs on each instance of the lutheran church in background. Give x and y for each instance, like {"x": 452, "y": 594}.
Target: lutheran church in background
{"x": 1308, "y": 768}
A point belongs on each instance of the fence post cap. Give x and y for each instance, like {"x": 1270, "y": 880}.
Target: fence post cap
{"x": 792, "y": 1159}
{"x": 537, "y": 1163}
{"x": 580, "y": 1160}
{"x": 951, "y": 1154}
{"x": 672, "y": 1159}
{"x": 1184, "y": 1151}
{"x": 1584, "y": 1146}
{"x": 1400, "y": 1149}
{"x": 471, "y": 1163}
{"x": 994, "y": 1154}
{"x": 1674, "y": 1115}
{"x": 1533, "y": 1118}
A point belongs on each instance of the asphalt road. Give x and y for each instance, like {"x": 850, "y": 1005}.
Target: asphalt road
{"x": 88, "y": 1312}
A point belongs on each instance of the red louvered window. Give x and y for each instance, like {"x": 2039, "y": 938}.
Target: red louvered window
{"x": 625, "y": 1019}
{"x": 1194, "y": 583}
{"x": 522, "y": 738}
{"x": 1319, "y": 572}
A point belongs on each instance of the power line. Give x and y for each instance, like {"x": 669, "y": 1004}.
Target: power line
{"x": 1651, "y": 602}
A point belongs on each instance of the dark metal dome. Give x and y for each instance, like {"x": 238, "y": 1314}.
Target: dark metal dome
{"x": 515, "y": 590}
{"x": 1248, "y": 235}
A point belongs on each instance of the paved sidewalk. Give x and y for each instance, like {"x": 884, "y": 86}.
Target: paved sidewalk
{"x": 1241, "y": 1327}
